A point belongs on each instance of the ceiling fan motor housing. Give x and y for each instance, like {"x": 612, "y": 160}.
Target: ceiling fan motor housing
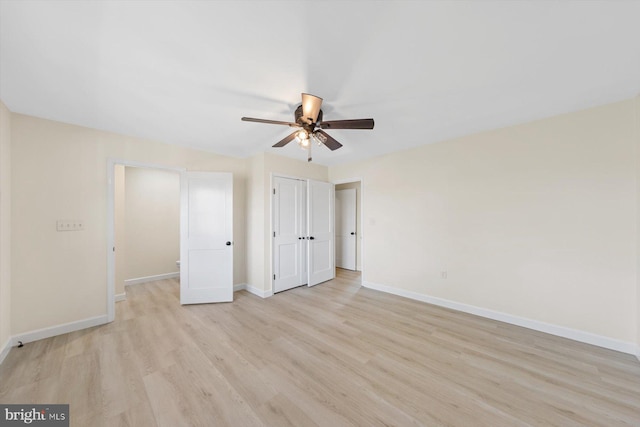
{"x": 301, "y": 120}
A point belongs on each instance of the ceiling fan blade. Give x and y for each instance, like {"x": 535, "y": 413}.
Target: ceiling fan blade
{"x": 329, "y": 141}
{"x": 286, "y": 140}
{"x": 311, "y": 106}
{"x": 348, "y": 124}
{"x": 272, "y": 122}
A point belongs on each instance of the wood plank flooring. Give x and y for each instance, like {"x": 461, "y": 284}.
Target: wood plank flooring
{"x": 332, "y": 355}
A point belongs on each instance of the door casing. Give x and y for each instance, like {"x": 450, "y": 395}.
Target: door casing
{"x": 361, "y": 233}
{"x": 346, "y": 228}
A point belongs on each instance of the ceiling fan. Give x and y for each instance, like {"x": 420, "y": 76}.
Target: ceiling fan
{"x": 309, "y": 125}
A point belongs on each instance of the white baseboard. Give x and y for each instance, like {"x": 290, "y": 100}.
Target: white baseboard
{"x": 239, "y": 287}
{"x": 4, "y": 350}
{"x": 58, "y": 330}
{"x": 258, "y": 292}
{"x": 561, "y": 331}
{"x": 121, "y": 297}
{"x": 146, "y": 279}
{"x": 638, "y": 352}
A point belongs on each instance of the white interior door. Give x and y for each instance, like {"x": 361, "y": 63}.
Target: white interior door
{"x": 346, "y": 228}
{"x": 206, "y": 237}
{"x": 289, "y": 233}
{"x": 320, "y": 208}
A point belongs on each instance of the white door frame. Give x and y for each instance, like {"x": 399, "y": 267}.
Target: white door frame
{"x": 111, "y": 194}
{"x": 348, "y": 235}
{"x": 361, "y": 219}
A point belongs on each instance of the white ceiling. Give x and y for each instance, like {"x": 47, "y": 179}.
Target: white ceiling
{"x": 185, "y": 72}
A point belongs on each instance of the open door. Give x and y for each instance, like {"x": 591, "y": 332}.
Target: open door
{"x": 320, "y": 211}
{"x": 346, "y": 228}
{"x": 206, "y": 237}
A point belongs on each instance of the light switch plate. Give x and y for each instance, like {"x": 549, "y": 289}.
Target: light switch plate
{"x": 70, "y": 225}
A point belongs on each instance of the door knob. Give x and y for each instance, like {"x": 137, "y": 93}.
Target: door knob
{"x": 352, "y": 233}
{"x": 311, "y": 238}
{"x": 228, "y": 243}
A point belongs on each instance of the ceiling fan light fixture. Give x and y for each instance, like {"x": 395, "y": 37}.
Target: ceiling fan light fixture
{"x": 304, "y": 143}
{"x": 311, "y": 107}
{"x": 316, "y": 138}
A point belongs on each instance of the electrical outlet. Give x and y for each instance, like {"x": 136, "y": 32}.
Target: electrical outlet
{"x": 70, "y": 225}
{"x": 443, "y": 274}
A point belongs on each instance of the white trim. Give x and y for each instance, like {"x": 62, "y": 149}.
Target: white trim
{"x": 121, "y": 297}
{"x": 146, "y": 279}
{"x": 111, "y": 240}
{"x": 347, "y": 180}
{"x": 258, "y": 292}
{"x": 4, "y": 352}
{"x": 239, "y": 287}
{"x": 281, "y": 175}
{"x": 111, "y": 259}
{"x": 53, "y": 331}
{"x": 561, "y": 331}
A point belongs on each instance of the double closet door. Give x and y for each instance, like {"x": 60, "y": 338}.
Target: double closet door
{"x": 303, "y": 235}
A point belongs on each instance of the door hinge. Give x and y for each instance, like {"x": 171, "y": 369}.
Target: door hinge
{"x": 274, "y": 234}
{"x": 274, "y": 191}
{"x": 274, "y": 277}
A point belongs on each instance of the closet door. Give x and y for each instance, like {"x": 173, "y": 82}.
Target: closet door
{"x": 320, "y": 213}
{"x": 289, "y": 248}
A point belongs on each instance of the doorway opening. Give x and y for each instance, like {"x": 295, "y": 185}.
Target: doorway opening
{"x": 143, "y": 226}
{"x": 349, "y": 235}
{"x": 147, "y": 226}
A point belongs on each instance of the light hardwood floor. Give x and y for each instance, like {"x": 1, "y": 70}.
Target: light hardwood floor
{"x": 333, "y": 355}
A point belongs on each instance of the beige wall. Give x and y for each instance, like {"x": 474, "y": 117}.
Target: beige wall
{"x": 119, "y": 229}
{"x": 358, "y": 187}
{"x": 263, "y": 166}
{"x": 59, "y": 171}
{"x": 152, "y": 222}
{"x": 5, "y": 226}
{"x": 536, "y": 220}
{"x": 256, "y": 212}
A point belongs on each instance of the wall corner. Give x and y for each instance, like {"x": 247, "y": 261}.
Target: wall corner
{"x": 5, "y": 230}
